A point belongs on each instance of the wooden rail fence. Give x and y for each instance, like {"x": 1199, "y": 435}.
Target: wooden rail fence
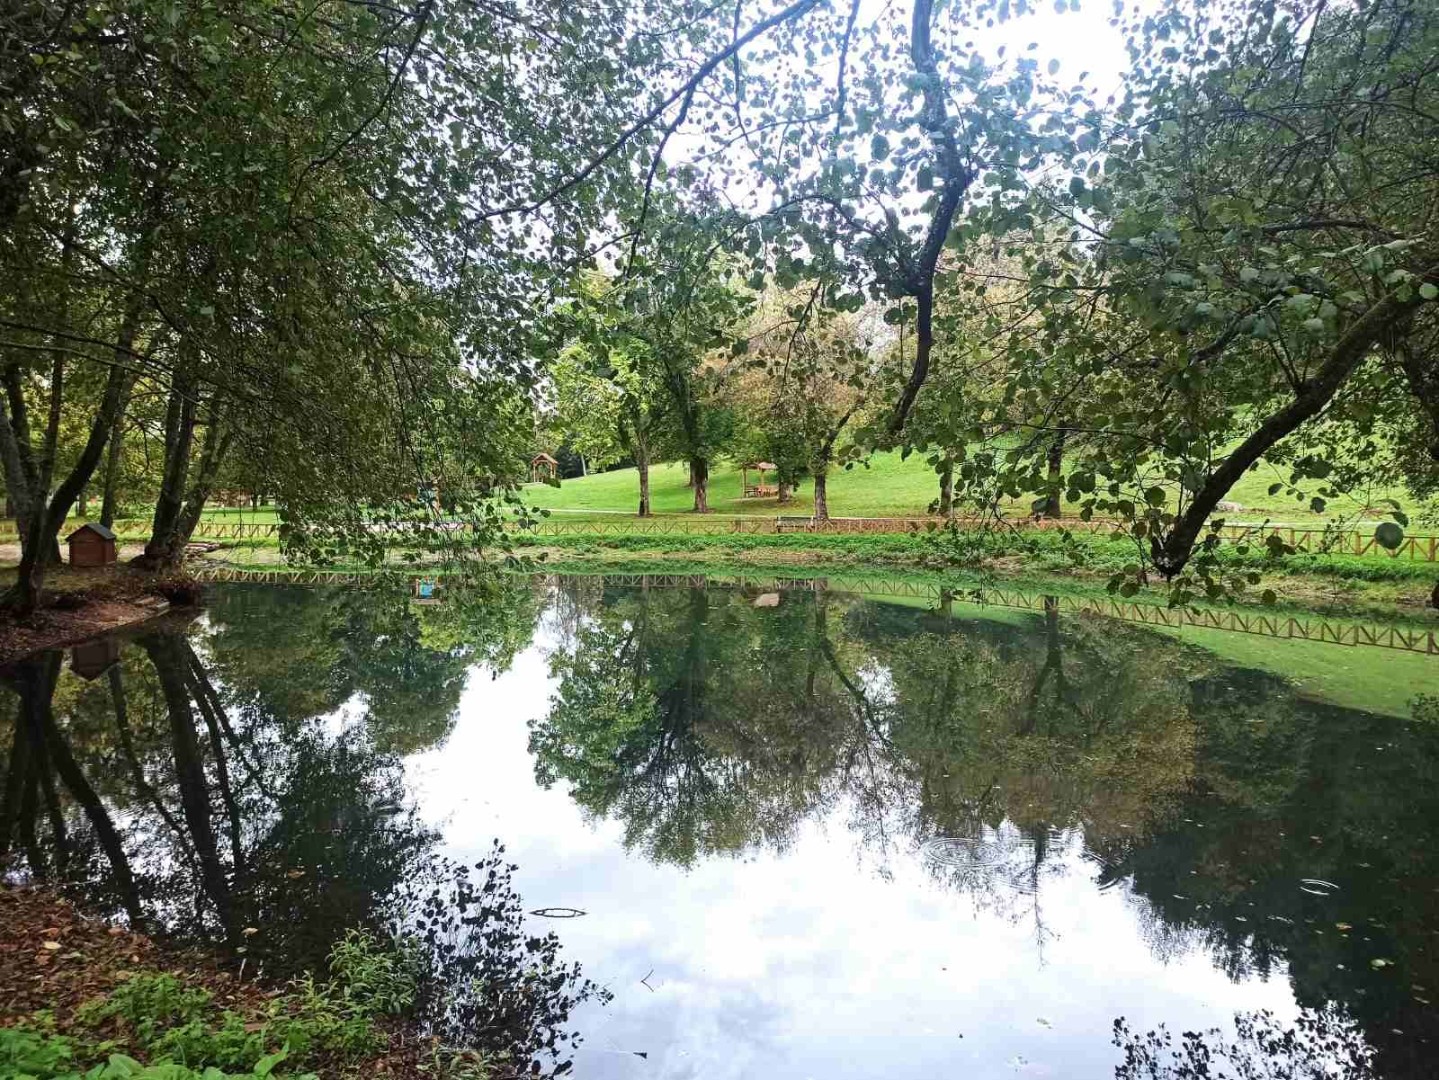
{"x": 1418, "y": 548}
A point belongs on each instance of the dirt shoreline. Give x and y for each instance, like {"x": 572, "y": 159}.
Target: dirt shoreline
{"x": 83, "y": 604}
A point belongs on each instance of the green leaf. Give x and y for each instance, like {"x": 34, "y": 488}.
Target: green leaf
{"x": 1429, "y": 290}
{"x": 266, "y": 1064}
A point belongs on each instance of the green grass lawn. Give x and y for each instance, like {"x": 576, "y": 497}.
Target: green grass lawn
{"x": 888, "y": 487}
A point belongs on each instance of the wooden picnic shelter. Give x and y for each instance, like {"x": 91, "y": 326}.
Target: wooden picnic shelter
{"x": 760, "y": 489}
{"x": 543, "y": 463}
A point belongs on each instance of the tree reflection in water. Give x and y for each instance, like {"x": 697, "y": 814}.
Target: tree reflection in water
{"x": 202, "y": 787}
{"x": 707, "y": 725}
{"x": 243, "y": 772}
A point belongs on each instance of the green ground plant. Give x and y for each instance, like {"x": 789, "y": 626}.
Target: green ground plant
{"x": 27, "y": 1054}
{"x": 180, "y": 1032}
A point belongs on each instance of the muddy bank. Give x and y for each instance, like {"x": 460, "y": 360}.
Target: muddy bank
{"x": 81, "y": 604}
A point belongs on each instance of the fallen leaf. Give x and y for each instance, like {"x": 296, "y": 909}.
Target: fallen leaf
{"x": 51, "y": 945}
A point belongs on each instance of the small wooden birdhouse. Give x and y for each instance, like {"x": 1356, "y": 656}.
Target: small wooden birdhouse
{"x": 91, "y": 545}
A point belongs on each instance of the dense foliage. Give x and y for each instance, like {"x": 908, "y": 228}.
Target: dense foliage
{"x": 365, "y": 260}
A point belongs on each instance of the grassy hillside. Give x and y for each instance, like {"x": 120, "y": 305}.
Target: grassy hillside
{"x": 888, "y": 487}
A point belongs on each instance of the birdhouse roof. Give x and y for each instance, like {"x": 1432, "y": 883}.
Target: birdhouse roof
{"x": 91, "y": 526}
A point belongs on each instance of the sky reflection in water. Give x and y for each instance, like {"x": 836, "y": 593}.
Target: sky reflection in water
{"x": 823, "y": 961}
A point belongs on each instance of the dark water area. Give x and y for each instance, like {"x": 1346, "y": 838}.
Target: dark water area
{"x": 787, "y": 834}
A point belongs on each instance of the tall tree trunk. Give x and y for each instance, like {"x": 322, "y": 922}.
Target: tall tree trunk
{"x": 946, "y": 486}
{"x": 786, "y": 492}
{"x": 1054, "y": 461}
{"x": 178, "y": 510}
{"x": 642, "y": 463}
{"x": 700, "y": 475}
{"x": 821, "y": 494}
{"x": 27, "y": 487}
{"x": 40, "y": 537}
{"x": 112, "y": 459}
{"x": 217, "y": 444}
{"x": 179, "y": 440}
{"x": 24, "y": 596}
{"x": 822, "y": 458}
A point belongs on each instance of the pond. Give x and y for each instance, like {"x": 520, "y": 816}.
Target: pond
{"x": 789, "y": 832}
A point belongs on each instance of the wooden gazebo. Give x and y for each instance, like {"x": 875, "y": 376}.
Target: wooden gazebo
{"x": 543, "y": 464}
{"x": 761, "y": 489}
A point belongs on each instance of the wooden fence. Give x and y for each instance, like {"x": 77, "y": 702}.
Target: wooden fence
{"x": 1270, "y": 624}
{"x": 1315, "y": 541}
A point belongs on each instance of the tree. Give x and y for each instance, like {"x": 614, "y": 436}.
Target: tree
{"x": 662, "y": 333}
{"x": 811, "y": 373}
{"x": 1247, "y": 261}
{"x": 609, "y": 388}
{"x": 312, "y": 251}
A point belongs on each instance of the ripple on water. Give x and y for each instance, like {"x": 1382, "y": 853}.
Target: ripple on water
{"x": 1317, "y": 887}
{"x": 975, "y": 852}
{"x": 1002, "y": 859}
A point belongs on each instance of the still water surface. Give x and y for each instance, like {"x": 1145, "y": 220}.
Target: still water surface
{"x": 797, "y": 834}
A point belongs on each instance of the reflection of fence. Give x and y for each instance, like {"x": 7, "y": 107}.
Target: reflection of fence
{"x": 1240, "y": 621}
{"x": 1270, "y": 624}
{"x": 234, "y": 530}
{"x": 1264, "y": 624}
{"x": 1314, "y": 541}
